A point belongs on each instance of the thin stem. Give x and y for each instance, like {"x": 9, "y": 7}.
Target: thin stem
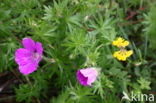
{"x": 29, "y": 82}
{"x": 14, "y": 73}
{"x": 146, "y": 46}
{"x": 7, "y": 98}
{"x": 38, "y": 101}
{"x": 124, "y": 3}
{"x": 141, "y": 3}
{"x": 49, "y": 59}
{"x": 110, "y": 4}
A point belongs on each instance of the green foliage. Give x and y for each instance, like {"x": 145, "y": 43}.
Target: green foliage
{"x": 144, "y": 84}
{"x": 102, "y": 84}
{"x": 77, "y": 34}
{"x": 26, "y": 93}
{"x": 150, "y": 22}
{"x": 81, "y": 94}
{"x": 63, "y": 15}
{"x": 78, "y": 41}
{"x": 103, "y": 27}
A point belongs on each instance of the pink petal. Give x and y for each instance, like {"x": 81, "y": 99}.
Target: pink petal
{"x": 91, "y": 79}
{"x": 28, "y": 68}
{"x": 39, "y": 48}
{"x": 29, "y": 44}
{"x": 81, "y": 78}
{"x": 23, "y": 56}
{"x": 91, "y": 73}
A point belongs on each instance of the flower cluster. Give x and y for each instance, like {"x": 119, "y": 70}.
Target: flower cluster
{"x": 28, "y": 59}
{"x": 122, "y": 54}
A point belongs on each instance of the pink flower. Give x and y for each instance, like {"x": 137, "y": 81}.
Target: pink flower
{"x": 29, "y": 57}
{"x": 87, "y": 76}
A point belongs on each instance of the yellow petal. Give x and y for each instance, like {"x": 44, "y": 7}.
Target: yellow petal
{"x": 122, "y": 55}
{"x": 120, "y": 42}
{"x": 125, "y": 43}
{"x": 129, "y": 53}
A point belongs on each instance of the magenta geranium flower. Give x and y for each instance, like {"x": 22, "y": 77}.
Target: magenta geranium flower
{"x": 87, "y": 76}
{"x": 28, "y": 58}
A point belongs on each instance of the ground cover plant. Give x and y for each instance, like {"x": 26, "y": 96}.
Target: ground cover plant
{"x": 77, "y": 51}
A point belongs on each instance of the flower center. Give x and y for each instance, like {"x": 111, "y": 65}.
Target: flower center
{"x": 36, "y": 56}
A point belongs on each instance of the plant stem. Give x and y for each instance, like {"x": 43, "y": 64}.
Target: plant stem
{"x": 49, "y": 59}
{"x": 7, "y": 98}
{"x": 141, "y": 3}
{"x": 110, "y": 4}
{"x": 29, "y": 82}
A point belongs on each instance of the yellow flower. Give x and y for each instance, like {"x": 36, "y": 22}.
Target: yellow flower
{"x": 120, "y": 43}
{"x": 122, "y": 54}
